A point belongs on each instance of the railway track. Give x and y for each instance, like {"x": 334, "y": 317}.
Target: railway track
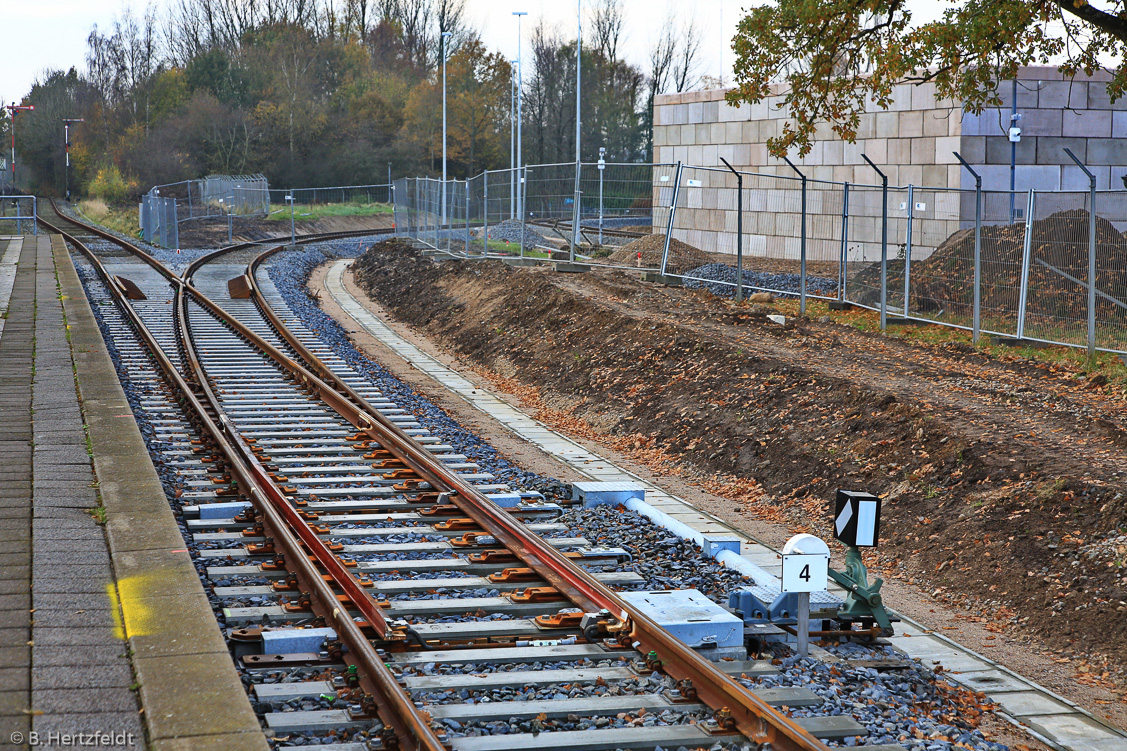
{"x": 378, "y": 587}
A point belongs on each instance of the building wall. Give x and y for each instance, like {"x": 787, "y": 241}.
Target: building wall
{"x": 913, "y": 142}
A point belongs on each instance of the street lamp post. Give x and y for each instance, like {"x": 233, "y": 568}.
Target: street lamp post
{"x": 512, "y": 139}
{"x": 15, "y": 109}
{"x": 577, "y": 214}
{"x": 520, "y": 151}
{"x": 66, "y": 138}
{"x": 445, "y": 34}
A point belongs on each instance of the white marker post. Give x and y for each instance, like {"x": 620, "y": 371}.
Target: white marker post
{"x": 806, "y": 562}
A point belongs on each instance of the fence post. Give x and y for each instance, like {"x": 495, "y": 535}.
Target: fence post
{"x": 175, "y": 226}
{"x": 577, "y": 212}
{"x": 976, "y": 315}
{"x": 1026, "y": 257}
{"x": 34, "y": 217}
{"x": 801, "y": 247}
{"x": 883, "y": 244}
{"x": 523, "y": 195}
{"x": 467, "y": 217}
{"x": 1091, "y": 255}
{"x": 739, "y": 231}
{"x": 908, "y": 249}
{"x": 672, "y": 215}
{"x": 844, "y": 243}
{"x": 485, "y": 211}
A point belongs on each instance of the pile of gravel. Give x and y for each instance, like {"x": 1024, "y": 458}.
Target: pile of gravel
{"x": 715, "y": 274}
{"x": 509, "y": 231}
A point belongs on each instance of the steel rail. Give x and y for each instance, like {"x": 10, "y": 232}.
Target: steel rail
{"x": 411, "y": 725}
{"x": 750, "y": 714}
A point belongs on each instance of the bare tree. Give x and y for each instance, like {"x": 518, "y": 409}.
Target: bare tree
{"x": 672, "y": 63}
{"x": 684, "y": 75}
{"x": 354, "y": 20}
{"x": 661, "y": 58}
{"x": 186, "y": 31}
{"x": 607, "y": 20}
{"x": 673, "y": 57}
{"x": 121, "y": 63}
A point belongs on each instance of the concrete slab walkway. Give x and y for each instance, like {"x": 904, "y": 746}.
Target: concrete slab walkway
{"x": 64, "y": 658}
{"x": 101, "y": 608}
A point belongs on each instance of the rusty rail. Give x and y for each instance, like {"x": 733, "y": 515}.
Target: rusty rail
{"x": 288, "y": 530}
{"x": 749, "y": 714}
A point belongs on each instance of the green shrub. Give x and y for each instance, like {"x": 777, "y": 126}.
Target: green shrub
{"x": 109, "y": 185}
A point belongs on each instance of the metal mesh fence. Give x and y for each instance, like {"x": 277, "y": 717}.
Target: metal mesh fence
{"x": 1057, "y": 278}
{"x": 865, "y": 218}
{"x": 238, "y": 194}
{"x": 17, "y": 215}
{"x": 222, "y": 198}
{"x": 1111, "y": 271}
{"x": 347, "y": 199}
{"x": 1026, "y": 277}
{"x": 158, "y": 220}
{"x": 931, "y": 255}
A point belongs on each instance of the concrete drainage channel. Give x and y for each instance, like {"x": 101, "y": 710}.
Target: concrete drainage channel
{"x": 482, "y": 657}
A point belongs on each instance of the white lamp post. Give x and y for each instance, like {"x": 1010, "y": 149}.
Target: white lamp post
{"x": 512, "y": 137}
{"x": 445, "y": 34}
{"x": 577, "y": 215}
{"x": 520, "y": 152}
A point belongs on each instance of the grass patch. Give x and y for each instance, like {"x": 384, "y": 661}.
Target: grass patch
{"x": 1071, "y": 360}
{"x": 121, "y": 219}
{"x": 281, "y": 212}
{"x": 99, "y": 514}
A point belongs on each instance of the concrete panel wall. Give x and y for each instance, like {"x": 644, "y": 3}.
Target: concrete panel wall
{"x": 913, "y": 142}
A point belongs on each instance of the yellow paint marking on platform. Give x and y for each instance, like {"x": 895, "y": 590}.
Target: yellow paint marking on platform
{"x": 115, "y": 609}
{"x": 132, "y": 615}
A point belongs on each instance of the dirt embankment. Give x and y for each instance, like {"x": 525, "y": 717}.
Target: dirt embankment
{"x": 1004, "y": 480}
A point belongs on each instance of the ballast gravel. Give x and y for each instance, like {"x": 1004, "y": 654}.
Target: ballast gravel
{"x": 510, "y": 231}
{"x": 720, "y": 279}
{"x": 290, "y": 272}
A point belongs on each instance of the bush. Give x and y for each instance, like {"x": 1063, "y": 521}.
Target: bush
{"x": 109, "y": 185}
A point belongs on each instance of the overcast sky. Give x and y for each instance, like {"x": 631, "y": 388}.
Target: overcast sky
{"x": 46, "y": 34}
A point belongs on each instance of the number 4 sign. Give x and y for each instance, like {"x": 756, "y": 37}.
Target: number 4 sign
{"x": 806, "y": 561}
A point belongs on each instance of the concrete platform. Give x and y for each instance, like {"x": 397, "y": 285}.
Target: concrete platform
{"x": 88, "y": 544}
